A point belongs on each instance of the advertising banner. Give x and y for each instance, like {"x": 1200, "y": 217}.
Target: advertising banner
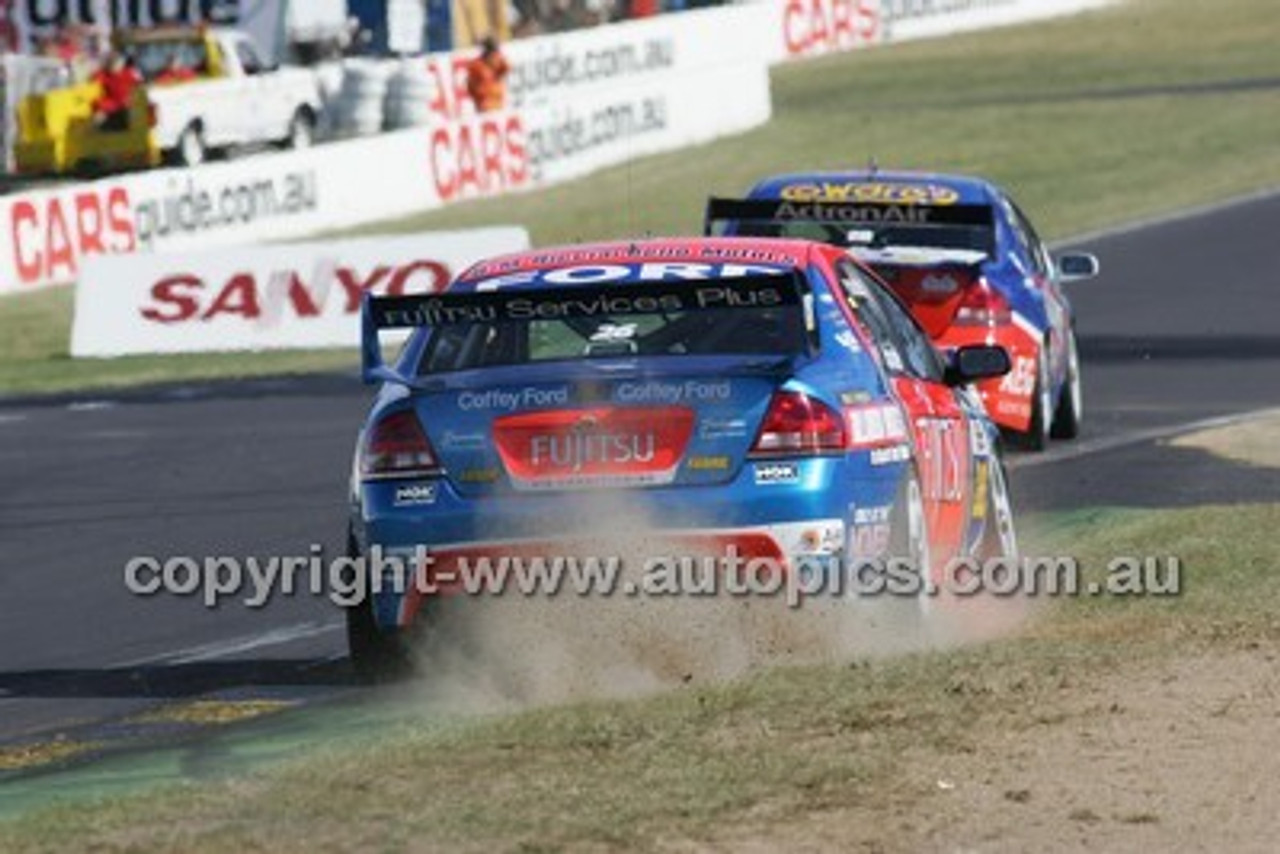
{"x": 264, "y": 297}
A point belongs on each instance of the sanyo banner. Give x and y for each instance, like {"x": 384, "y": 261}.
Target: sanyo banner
{"x": 266, "y": 297}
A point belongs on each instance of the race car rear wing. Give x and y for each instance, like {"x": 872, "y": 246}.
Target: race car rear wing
{"x": 757, "y": 291}
{"x": 842, "y": 213}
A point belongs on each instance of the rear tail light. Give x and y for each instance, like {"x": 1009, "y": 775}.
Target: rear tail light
{"x": 798, "y": 425}
{"x": 982, "y": 306}
{"x": 876, "y": 425}
{"x": 397, "y": 446}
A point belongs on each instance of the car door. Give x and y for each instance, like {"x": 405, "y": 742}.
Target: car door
{"x": 939, "y": 425}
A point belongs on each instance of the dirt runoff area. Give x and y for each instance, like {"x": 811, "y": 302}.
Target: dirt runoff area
{"x": 1173, "y": 754}
{"x": 1179, "y": 757}
{"x": 1253, "y": 442}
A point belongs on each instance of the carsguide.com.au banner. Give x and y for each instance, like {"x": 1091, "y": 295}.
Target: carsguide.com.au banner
{"x": 263, "y": 297}
{"x": 580, "y": 101}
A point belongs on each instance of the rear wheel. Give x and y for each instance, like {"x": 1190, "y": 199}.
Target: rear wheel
{"x": 302, "y": 131}
{"x": 190, "y": 150}
{"x": 910, "y": 532}
{"x": 1036, "y": 437}
{"x": 1066, "y": 420}
{"x": 999, "y": 539}
{"x": 376, "y": 655}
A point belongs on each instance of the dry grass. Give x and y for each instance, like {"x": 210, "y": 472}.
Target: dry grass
{"x": 789, "y": 755}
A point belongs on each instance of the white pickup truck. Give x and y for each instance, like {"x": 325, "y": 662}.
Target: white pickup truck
{"x": 211, "y": 90}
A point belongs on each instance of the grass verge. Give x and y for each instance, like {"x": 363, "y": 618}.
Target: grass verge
{"x": 1091, "y": 121}
{"x": 770, "y": 755}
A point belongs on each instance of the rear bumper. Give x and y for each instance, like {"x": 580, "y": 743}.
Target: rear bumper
{"x": 834, "y": 505}
{"x": 756, "y": 557}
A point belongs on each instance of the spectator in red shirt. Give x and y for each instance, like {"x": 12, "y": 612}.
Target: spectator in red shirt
{"x": 486, "y": 77}
{"x": 118, "y": 80}
{"x": 174, "y": 72}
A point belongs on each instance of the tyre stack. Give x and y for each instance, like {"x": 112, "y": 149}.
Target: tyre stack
{"x": 408, "y": 96}
{"x": 359, "y": 107}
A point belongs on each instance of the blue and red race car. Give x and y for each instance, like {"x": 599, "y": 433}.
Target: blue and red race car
{"x": 769, "y": 396}
{"x": 966, "y": 261}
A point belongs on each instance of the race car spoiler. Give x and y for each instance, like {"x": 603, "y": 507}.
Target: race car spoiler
{"x": 843, "y": 213}
{"x": 757, "y": 291}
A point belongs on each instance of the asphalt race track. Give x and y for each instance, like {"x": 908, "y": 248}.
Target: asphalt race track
{"x": 1181, "y": 327}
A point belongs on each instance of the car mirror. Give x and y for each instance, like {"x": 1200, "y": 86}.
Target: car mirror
{"x": 1076, "y": 266}
{"x": 977, "y": 362}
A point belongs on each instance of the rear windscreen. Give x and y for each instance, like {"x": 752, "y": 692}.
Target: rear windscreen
{"x": 773, "y": 331}
{"x": 969, "y": 237}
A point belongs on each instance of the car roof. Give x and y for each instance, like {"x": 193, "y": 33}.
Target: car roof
{"x": 746, "y": 251}
{"x": 875, "y": 185}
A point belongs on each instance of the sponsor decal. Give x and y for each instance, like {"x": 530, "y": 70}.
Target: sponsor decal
{"x": 870, "y": 540}
{"x": 942, "y": 454}
{"x": 463, "y": 441}
{"x": 892, "y": 358}
{"x": 886, "y": 213}
{"x": 871, "y": 515}
{"x": 410, "y": 494}
{"x": 855, "y": 397}
{"x": 486, "y": 474}
{"x": 587, "y": 300}
{"x": 981, "y": 477}
{"x": 600, "y": 445}
{"x": 980, "y": 440}
{"x": 848, "y": 341}
{"x": 716, "y": 463}
{"x": 769, "y": 473}
{"x": 872, "y": 191}
{"x": 566, "y": 272}
{"x": 891, "y": 454}
{"x": 824, "y": 539}
{"x": 609, "y": 333}
{"x": 1020, "y": 381}
{"x": 691, "y": 391}
{"x": 722, "y": 428}
{"x": 508, "y": 400}
{"x": 584, "y": 449}
{"x": 870, "y": 531}
{"x": 939, "y": 284}
{"x": 1015, "y": 408}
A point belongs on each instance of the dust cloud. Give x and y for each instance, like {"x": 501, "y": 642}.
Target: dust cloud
{"x": 493, "y": 653}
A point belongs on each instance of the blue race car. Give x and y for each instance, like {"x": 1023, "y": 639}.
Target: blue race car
{"x": 762, "y": 396}
{"x": 963, "y": 257}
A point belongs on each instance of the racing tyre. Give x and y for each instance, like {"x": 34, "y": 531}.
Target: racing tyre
{"x": 376, "y": 656}
{"x": 302, "y": 131}
{"x": 1066, "y": 420}
{"x": 999, "y": 539}
{"x": 1036, "y": 438}
{"x": 910, "y": 533}
{"x": 191, "y": 150}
